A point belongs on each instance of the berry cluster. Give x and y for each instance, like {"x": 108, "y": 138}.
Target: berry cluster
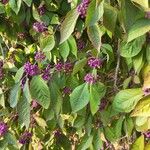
{"x": 25, "y": 137}
{"x": 147, "y": 134}
{"x": 40, "y": 27}
{"x": 39, "y": 56}
{"x": 89, "y": 78}
{"x": 80, "y": 44}
{"x": 66, "y": 67}
{"x": 30, "y": 69}
{"x": 102, "y": 105}
{"x": 3, "y": 128}
{"x": 1, "y": 69}
{"x": 147, "y": 15}
{"x": 82, "y": 8}
{"x": 46, "y": 73}
{"x": 4, "y": 2}
{"x": 41, "y": 10}
{"x": 66, "y": 90}
{"x": 35, "y": 104}
{"x": 146, "y": 91}
{"x": 94, "y": 62}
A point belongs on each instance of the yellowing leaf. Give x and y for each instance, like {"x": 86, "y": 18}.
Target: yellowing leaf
{"x": 142, "y": 108}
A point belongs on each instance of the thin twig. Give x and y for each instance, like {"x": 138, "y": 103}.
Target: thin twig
{"x": 117, "y": 67}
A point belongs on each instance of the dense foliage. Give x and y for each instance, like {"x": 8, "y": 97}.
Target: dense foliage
{"x": 74, "y": 74}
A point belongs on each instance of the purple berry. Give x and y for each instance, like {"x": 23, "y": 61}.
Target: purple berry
{"x": 41, "y": 10}
{"x": 35, "y": 104}
{"x": 57, "y": 133}
{"x": 68, "y": 67}
{"x": 59, "y": 66}
{"x": 146, "y": 91}
{"x": 40, "y": 27}
{"x": 147, "y": 15}
{"x": 25, "y": 138}
{"x": 89, "y": 78}
{"x": 39, "y": 56}
{"x": 46, "y": 73}
{"x": 30, "y": 69}
{"x": 94, "y": 62}
{"x": 4, "y": 2}
{"x": 80, "y": 44}
{"x": 23, "y": 81}
{"x": 102, "y": 105}
{"x": 3, "y": 128}
{"x": 147, "y": 134}
{"x": 67, "y": 90}
{"x": 82, "y": 8}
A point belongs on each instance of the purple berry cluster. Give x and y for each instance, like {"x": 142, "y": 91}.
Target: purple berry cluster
{"x": 25, "y": 138}
{"x": 147, "y": 15}
{"x": 82, "y": 8}
{"x": 146, "y": 91}
{"x": 39, "y": 56}
{"x": 59, "y": 66}
{"x": 41, "y": 10}
{"x": 23, "y": 81}
{"x": 4, "y": 2}
{"x": 46, "y": 73}
{"x": 31, "y": 69}
{"x": 81, "y": 44}
{"x": 34, "y": 104}
{"x": 89, "y": 78}
{"x": 1, "y": 69}
{"x": 66, "y": 90}
{"x": 102, "y": 105}
{"x": 3, "y": 128}
{"x": 40, "y": 27}
{"x": 147, "y": 134}
{"x": 57, "y": 133}
{"x": 94, "y": 62}
{"x": 66, "y": 67}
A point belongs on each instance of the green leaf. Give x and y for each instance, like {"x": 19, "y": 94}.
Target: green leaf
{"x": 10, "y": 138}
{"x": 68, "y": 25}
{"x": 41, "y": 122}
{"x": 19, "y": 75}
{"x": 73, "y": 45}
{"x": 147, "y": 146}
{"x": 28, "y": 2}
{"x": 126, "y": 100}
{"x": 139, "y": 144}
{"x": 86, "y": 141}
{"x": 15, "y": 5}
{"x": 26, "y": 91}
{"x": 109, "y": 133}
{"x": 15, "y": 95}
{"x": 138, "y": 62}
{"x": 147, "y": 53}
{"x": 79, "y": 97}
{"x": 79, "y": 65}
{"x": 64, "y": 50}
{"x": 97, "y": 92}
{"x": 132, "y": 48}
{"x": 47, "y": 43}
{"x": 2, "y": 99}
{"x": 94, "y": 35}
{"x": 118, "y": 127}
{"x": 94, "y": 12}
{"x": 143, "y": 3}
{"x": 2, "y": 9}
{"x": 23, "y": 109}
{"x": 40, "y": 91}
{"x": 97, "y": 142}
{"x": 142, "y": 108}
{"x": 139, "y": 28}
{"x": 110, "y": 17}
{"x": 128, "y": 126}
